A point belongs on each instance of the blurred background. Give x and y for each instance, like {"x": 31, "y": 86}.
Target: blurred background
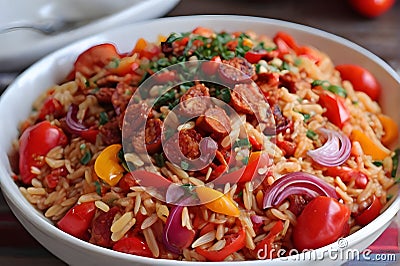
{"x": 376, "y": 28}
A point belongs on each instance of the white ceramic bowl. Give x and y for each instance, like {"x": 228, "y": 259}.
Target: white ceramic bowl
{"x": 15, "y": 105}
{"x": 22, "y": 47}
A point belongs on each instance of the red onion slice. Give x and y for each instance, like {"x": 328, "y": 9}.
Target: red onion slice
{"x": 334, "y": 152}
{"x": 297, "y": 183}
{"x": 175, "y": 236}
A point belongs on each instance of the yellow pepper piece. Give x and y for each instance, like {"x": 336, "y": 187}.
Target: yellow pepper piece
{"x": 140, "y": 45}
{"x": 107, "y": 165}
{"x": 370, "y": 147}
{"x": 217, "y": 201}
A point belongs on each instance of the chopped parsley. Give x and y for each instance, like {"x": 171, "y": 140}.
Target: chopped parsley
{"x": 311, "y": 134}
{"x": 87, "y": 156}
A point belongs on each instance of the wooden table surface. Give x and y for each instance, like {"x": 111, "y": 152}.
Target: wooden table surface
{"x": 381, "y": 36}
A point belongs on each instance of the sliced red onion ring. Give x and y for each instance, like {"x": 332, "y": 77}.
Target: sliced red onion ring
{"x": 73, "y": 125}
{"x": 297, "y": 183}
{"x": 334, "y": 152}
{"x": 175, "y": 236}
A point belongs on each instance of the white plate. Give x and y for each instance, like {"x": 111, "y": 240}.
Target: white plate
{"x": 52, "y": 69}
{"x": 22, "y": 47}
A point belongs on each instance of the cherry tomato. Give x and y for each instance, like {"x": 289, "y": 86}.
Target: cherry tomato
{"x": 78, "y": 219}
{"x": 361, "y": 79}
{"x": 133, "y": 245}
{"x": 51, "y": 180}
{"x": 284, "y": 42}
{"x": 253, "y": 56}
{"x": 371, "y": 8}
{"x": 361, "y": 179}
{"x": 369, "y": 213}
{"x": 51, "y": 106}
{"x": 165, "y": 76}
{"x": 35, "y": 142}
{"x": 234, "y": 242}
{"x": 95, "y": 58}
{"x": 322, "y": 222}
{"x": 126, "y": 182}
{"x": 211, "y": 67}
{"x": 336, "y": 110}
{"x": 343, "y": 172}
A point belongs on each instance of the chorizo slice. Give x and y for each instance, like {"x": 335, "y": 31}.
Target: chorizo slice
{"x": 190, "y": 106}
{"x": 240, "y": 104}
{"x": 215, "y": 121}
{"x": 153, "y": 135}
{"x": 101, "y": 232}
{"x": 187, "y": 141}
{"x": 110, "y": 132}
{"x": 236, "y": 70}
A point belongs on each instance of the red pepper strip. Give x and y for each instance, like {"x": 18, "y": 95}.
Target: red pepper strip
{"x": 336, "y": 110}
{"x": 263, "y": 249}
{"x": 233, "y": 244}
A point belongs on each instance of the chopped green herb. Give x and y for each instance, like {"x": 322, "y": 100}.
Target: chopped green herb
{"x": 241, "y": 143}
{"x": 389, "y": 197}
{"x": 103, "y": 118}
{"x": 87, "y": 83}
{"x": 240, "y": 194}
{"x": 395, "y": 160}
{"x": 121, "y": 157}
{"x": 184, "y": 165}
{"x": 95, "y": 90}
{"x": 355, "y": 102}
{"x": 329, "y": 87}
{"x": 113, "y": 63}
{"x": 166, "y": 98}
{"x": 337, "y": 90}
{"x": 245, "y": 160}
{"x": 82, "y": 146}
{"x": 173, "y": 37}
{"x": 306, "y": 117}
{"x": 225, "y": 95}
{"x": 87, "y": 156}
{"x": 377, "y": 163}
{"x": 98, "y": 187}
{"x": 159, "y": 158}
{"x": 311, "y": 134}
{"x": 285, "y": 66}
{"x": 258, "y": 67}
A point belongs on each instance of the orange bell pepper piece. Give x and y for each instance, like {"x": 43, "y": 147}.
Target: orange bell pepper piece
{"x": 370, "y": 147}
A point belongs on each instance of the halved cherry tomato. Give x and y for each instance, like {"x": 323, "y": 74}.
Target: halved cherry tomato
{"x": 233, "y": 243}
{"x": 165, "y": 76}
{"x": 371, "y": 8}
{"x": 95, "y": 58}
{"x": 322, "y": 221}
{"x": 211, "y": 67}
{"x": 361, "y": 79}
{"x": 369, "y": 213}
{"x": 126, "y": 182}
{"x": 133, "y": 245}
{"x": 285, "y": 42}
{"x": 361, "y": 179}
{"x": 390, "y": 128}
{"x": 336, "y": 110}
{"x": 263, "y": 249}
{"x": 52, "y": 179}
{"x": 51, "y": 106}
{"x": 78, "y": 219}
{"x": 347, "y": 174}
{"x": 35, "y": 142}
{"x": 153, "y": 135}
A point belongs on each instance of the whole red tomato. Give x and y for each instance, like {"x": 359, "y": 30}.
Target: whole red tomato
{"x": 35, "y": 142}
{"x": 361, "y": 79}
{"x": 371, "y": 8}
{"x": 323, "y": 221}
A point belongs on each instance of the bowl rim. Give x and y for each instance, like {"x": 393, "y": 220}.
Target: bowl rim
{"x": 40, "y": 222}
